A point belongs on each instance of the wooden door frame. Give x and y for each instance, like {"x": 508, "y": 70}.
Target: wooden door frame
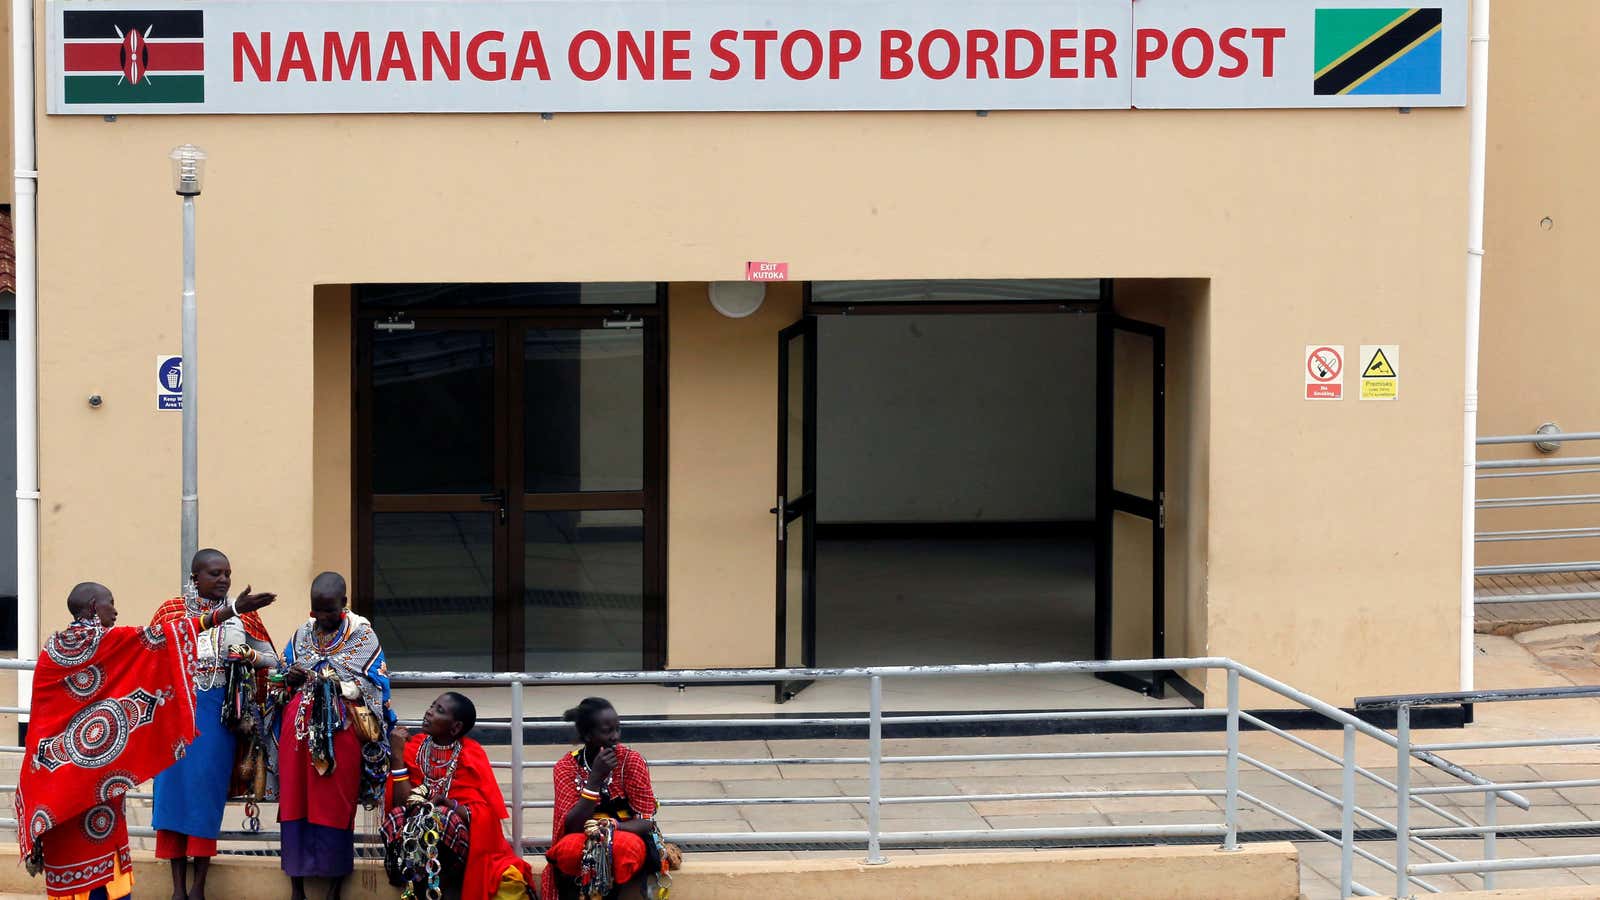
{"x": 510, "y": 324}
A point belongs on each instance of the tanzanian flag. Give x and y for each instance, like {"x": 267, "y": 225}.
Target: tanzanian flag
{"x": 127, "y": 56}
{"x": 1379, "y": 51}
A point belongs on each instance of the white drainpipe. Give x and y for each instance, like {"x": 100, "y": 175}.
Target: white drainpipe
{"x": 24, "y": 225}
{"x": 1478, "y": 112}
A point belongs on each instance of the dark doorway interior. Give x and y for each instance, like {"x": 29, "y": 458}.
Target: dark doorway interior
{"x": 956, "y": 487}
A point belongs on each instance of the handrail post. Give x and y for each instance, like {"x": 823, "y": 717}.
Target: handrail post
{"x": 1490, "y": 805}
{"x": 516, "y": 766}
{"x": 1402, "y": 791}
{"x": 1347, "y": 824}
{"x": 875, "y": 857}
{"x": 1231, "y": 786}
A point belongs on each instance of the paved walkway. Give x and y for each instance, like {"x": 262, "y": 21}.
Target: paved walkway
{"x": 1509, "y": 618}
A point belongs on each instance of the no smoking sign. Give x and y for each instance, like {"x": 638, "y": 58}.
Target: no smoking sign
{"x": 1324, "y": 372}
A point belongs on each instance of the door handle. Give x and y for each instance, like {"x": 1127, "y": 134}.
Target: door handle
{"x": 780, "y": 511}
{"x": 498, "y": 498}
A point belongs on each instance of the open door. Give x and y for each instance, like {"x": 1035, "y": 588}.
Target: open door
{"x": 796, "y": 510}
{"x": 1130, "y": 552}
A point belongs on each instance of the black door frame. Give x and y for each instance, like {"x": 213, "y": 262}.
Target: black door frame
{"x": 1102, "y": 308}
{"x": 1109, "y": 500}
{"x": 510, "y": 325}
{"x": 790, "y": 508}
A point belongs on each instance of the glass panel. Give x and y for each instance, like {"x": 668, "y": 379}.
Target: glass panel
{"x": 449, "y": 296}
{"x": 964, "y": 290}
{"x": 584, "y": 600}
{"x": 794, "y": 585}
{"x": 433, "y": 589}
{"x": 433, "y": 411}
{"x": 1132, "y": 586}
{"x": 796, "y": 431}
{"x": 583, "y": 409}
{"x": 1133, "y": 399}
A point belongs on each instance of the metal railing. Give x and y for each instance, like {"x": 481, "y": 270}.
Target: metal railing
{"x": 1538, "y": 467}
{"x": 1229, "y": 795}
{"x": 1491, "y": 828}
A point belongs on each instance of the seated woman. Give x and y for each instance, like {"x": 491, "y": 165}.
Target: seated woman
{"x": 604, "y": 841}
{"x": 445, "y": 809}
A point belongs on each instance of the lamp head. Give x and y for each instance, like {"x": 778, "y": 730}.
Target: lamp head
{"x": 188, "y": 170}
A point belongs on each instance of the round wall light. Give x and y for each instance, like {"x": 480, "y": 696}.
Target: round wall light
{"x": 737, "y": 299}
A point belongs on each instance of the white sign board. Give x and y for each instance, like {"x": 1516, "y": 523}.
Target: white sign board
{"x": 169, "y": 382}
{"x": 431, "y": 56}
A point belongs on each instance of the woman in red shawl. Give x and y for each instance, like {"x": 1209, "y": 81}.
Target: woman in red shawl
{"x": 190, "y": 796}
{"x": 445, "y": 769}
{"x": 606, "y": 785}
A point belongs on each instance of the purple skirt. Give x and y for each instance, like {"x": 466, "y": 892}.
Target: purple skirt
{"x": 317, "y": 851}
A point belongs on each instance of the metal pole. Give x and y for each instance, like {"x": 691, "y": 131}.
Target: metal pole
{"x": 1402, "y": 792}
{"x": 516, "y": 767}
{"x": 1490, "y": 804}
{"x": 1231, "y": 788}
{"x": 190, "y": 540}
{"x": 1347, "y": 824}
{"x": 875, "y": 857}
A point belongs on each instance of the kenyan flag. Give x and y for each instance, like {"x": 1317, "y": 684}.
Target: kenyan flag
{"x": 127, "y": 56}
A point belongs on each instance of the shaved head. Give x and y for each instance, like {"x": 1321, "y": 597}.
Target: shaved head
{"x": 202, "y": 557}
{"x": 92, "y": 600}
{"x": 328, "y": 584}
{"x": 81, "y": 600}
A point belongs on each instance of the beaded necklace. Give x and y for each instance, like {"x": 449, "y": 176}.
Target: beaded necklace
{"x": 429, "y": 755}
{"x": 582, "y": 779}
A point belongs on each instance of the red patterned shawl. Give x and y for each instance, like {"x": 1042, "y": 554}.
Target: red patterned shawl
{"x": 111, "y": 708}
{"x": 176, "y": 609}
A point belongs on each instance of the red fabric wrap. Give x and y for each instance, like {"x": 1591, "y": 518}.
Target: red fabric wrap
{"x": 111, "y": 708}
{"x": 176, "y": 610}
{"x": 326, "y": 800}
{"x": 627, "y": 855}
{"x": 476, "y": 788}
{"x": 630, "y": 780}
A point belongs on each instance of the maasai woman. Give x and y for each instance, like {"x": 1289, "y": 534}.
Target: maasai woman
{"x": 337, "y": 672}
{"x": 608, "y": 784}
{"x": 443, "y": 783}
{"x": 111, "y": 707}
{"x": 190, "y": 796}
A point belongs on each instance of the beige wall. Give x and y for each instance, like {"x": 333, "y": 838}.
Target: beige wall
{"x": 1310, "y": 226}
{"x": 331, "y": 462}
{"x": 1539, "y": 309}
{"x": 722, "y": 477}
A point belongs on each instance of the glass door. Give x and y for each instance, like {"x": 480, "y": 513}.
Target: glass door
{"x": 795, "y": 512}
{"x": 509, "y": 509}
{"x": 1130, "y": 591}
{"x": 431, "y": 400}
{"x": 586, "y": 505}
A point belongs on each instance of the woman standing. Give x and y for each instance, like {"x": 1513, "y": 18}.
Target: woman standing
{"x": 608, "y": 785}
{"x": 341, "y": 696}
{"x": 190, "y": 796}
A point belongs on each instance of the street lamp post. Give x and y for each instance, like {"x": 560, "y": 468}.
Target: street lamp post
{"x": 188, "y": 170}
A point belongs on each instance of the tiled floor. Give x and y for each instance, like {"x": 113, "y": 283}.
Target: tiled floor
{"x": 1496, "y": 617}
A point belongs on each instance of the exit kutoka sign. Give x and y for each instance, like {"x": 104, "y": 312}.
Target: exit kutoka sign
{"x": 121, "y": 57}
{"x": 766, "y": 271}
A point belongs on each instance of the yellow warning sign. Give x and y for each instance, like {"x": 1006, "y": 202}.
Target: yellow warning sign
{"x": 1380, "y": 372}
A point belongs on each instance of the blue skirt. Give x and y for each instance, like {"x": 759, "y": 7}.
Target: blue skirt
{"x": 191, "y": 795}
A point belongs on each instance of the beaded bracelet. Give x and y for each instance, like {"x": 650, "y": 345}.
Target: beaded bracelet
{"x": 588, "y": 794}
